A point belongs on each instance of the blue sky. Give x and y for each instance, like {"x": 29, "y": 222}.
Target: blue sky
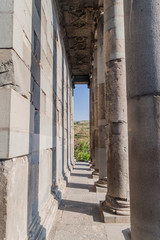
{"x": 81, "y": 102}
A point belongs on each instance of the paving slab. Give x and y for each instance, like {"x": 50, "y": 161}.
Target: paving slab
{"x": 78, "y": 217}
{"x": 118, "y": 231}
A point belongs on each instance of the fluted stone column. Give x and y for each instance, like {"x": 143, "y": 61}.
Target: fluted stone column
{"x": 102, "y": 182}
{"x": 95, "y": 133}
{"x": 116, "y": 109}
{"x": 142, "y": 27}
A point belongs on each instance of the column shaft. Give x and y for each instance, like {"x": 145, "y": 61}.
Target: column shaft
{"x": 116, "y": 109}
{"x": 91, "y": 121}
{"x": 142, "y": 26}
{"x": 95, "y": 137}
{"x": 101, "y": 105}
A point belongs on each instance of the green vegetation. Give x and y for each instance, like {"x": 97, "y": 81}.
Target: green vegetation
{"x": 81, "y": 151}
{"x": 81, "y": 140}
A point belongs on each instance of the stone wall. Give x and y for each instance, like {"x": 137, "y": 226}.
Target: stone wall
{"x": 36, "y": 126}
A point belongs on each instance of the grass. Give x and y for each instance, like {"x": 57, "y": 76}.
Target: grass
{"x": 81, "y": 140}
{"x": 81, "y": 151}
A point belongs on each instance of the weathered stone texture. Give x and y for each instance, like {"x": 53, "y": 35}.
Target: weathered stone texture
{"x": 3, "y": 201}
{"x": 116, "y": 110}
{"x": 14, "y": 176}
{"x": 143, "y": 86}
{"x": 6, "y": 22}
{"x": 118, "y": 131}
{"x": 101, "y": 118}
{"x": 35, "y": 92}
{"x": 95, "y": 113}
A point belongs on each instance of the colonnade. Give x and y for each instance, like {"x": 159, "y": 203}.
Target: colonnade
{"x": 127, "y": 53}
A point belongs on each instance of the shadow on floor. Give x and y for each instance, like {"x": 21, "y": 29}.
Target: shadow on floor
{"x": 81, "y": 207}
{"x": 86, "y": 169}
{"x": 88, "y": 187}
{"x": 90, "y": 209}
{"x": 80, "y": 175}
{"x": 127, "y": 234}
{"x": 81, "y": 161}
{"x": 81, "y": 164}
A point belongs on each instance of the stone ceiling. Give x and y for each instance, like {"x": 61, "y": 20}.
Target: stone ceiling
{"x": 77, "y": 19}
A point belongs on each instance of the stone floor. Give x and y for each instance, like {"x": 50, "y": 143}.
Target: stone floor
{"x": 78, "y": 217}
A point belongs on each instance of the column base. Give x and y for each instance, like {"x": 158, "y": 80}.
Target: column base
{"x": 90, "y": 161}
{"x": 116, "y": 206}
{"x": 92, "y": 166}
{"x": 95, "y": 174}
{"x": 115, "y": 210}
{"x": 112, "y": 218}
{"x": 101, "y": 186}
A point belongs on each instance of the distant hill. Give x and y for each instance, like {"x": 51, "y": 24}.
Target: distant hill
{"x": 81, "y": 131}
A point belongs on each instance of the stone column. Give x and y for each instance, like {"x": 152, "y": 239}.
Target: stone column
{"x": 102, "y": 182}
{"x": 95, "y": 133}
{"x": 91, "y": 122}
{"x": 72, "y": 126}
{"x": 116, "y": 109}
{"x": 142, "y": 26}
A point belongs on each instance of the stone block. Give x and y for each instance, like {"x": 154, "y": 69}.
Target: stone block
{"x": 36, "y": 47}
{"x": 5, "y": 101}
{"x": 112, "y": 218}
{"x": 43, "y": 102}
{"x": 44, "y": 21}
{"x": 33, "y": 142}
{"x": 32, "y": 120}
{"x": 27, "y": 56}
{"x": 44, "y": 41}
{"x": 5, "y": 104}
{"x": 35, "y": 70}
{"x": 18, "y": 37}
{"x": 22, "y": 76}
{"x": 46, "y": 142}
{"x": 19, "y": 125}
{"x": 45, "y": 175}
{"x": 48, "y": 13}
{"x": 6, "y": 29}
{"x": 117, "y": 51}
{"x": 100, "y": 189}
{"x": 20, "y": 113}
{"x": 14, "y": 72}
{"x": 36, "y": 95}
{"x": 15, "y": 135}
{"x": 50, "y": 36}
{"x": 24, "y": 18}
{"x": 6, "y": 6}
{"x": 95, "y": 176}
{"x": 38, "y": 5}
{"x": 49, "y": 55}
{"x": 50, "y": 108}
{"x": 6, "y": 67}
{"x": 46, "y": 66}
{"x": 50, "y": 207}
{"x": 14, "y": 174}
{"x": 29, "y": 5}
{"x": 41, "y": 204}
{"x": 21, "y": 42}
{"x": 33, "y": 183}
{"x": 4, "y": 144}
{"x": 46, "y": 84}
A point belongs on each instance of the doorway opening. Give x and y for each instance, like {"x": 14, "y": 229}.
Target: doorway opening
{"x": 81, "y": 123}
